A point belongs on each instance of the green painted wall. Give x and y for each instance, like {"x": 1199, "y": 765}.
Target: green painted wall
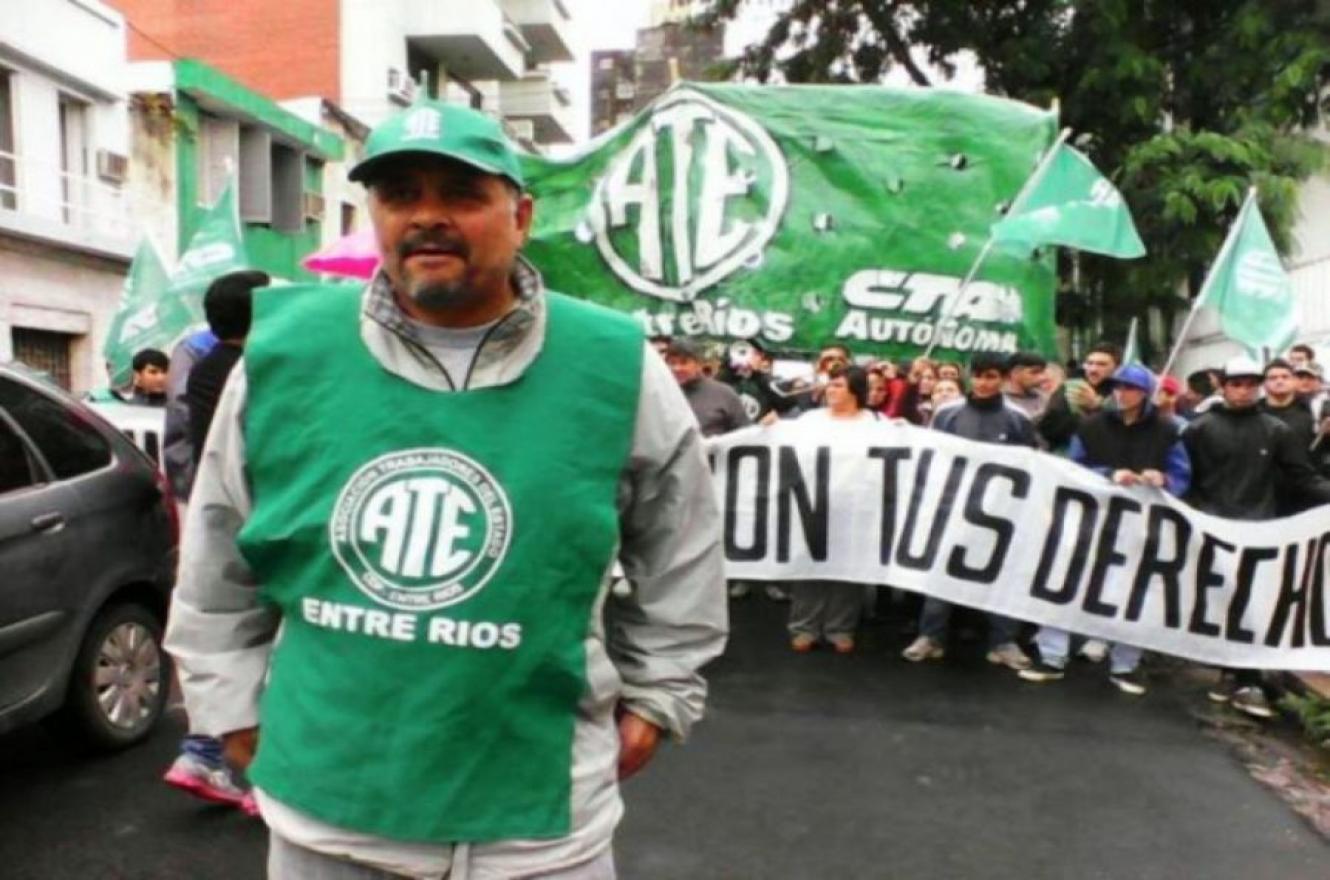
{"x": 277, "y": 253}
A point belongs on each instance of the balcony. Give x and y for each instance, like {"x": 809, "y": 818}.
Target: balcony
{"x": 545, "y": 24}
{"x": 41, "y": 202}
{"x": 541, "y": 101}
{"x": 473, "y": 41}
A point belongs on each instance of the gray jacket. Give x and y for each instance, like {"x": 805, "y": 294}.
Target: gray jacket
{"x": 645, "y": 651}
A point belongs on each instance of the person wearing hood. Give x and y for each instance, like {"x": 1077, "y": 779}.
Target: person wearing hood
{"x": 1246, "y": 464}
{"x": 1132, "y": 444}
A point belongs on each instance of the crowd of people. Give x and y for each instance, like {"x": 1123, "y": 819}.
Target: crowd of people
{"x": 1246, "y": 441}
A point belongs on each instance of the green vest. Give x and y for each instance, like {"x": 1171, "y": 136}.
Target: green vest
{"x": 436, "y": 557}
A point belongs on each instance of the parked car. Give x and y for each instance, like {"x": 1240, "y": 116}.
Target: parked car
{"x": 88, "y": 537}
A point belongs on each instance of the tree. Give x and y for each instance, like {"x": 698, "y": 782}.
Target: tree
{"x": 1184, "y": 104}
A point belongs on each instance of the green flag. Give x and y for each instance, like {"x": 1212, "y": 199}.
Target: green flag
{"x": 216, "y": 247}
{"x": 1070, "y": 203}
{"x": 137, "y": 323}
{"x": 801, "y": 215}
{"x": 1249, "y": 288}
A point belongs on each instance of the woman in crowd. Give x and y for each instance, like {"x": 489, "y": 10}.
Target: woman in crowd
{"x": 830, "y": 609}
{"x": 916, "y": 402}
{"x": 878, "y": 386}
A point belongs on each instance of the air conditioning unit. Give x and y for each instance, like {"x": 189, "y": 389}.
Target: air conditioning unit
{"x": 401, "y": 87}
{"x": 112, "y": 167}
{"x": 313, "y": 206}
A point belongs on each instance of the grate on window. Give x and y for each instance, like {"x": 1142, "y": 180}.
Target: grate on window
{"x": 45, "y": 351}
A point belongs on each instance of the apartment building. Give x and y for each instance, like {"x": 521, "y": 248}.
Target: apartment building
{"x": 624, "y": 81}
{"x": 71, "y": 208}
{"x": 369, "y": 57}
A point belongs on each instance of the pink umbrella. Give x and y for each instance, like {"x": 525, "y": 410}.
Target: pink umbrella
{"x": 352, "y": 256}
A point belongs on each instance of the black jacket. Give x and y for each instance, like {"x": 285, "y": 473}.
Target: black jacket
{"x": 1297, "y": 415}
{"x": 204, "y": 389}
{"x": 991, "y": 420}
{"x": 1248, "y": 465}
{"x": 1059, "y": 421}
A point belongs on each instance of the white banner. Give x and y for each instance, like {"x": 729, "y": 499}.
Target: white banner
{"x": 1025, "y": 534}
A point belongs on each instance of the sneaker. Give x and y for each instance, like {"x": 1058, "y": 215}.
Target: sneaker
{"x": 738, "y": 589}
{"x": 1042, "y": 672}
{"x": 1132, "y": 682}
{"x": 213, "y": 784}
{"x": 842, "y": 644}
{"x": 777, "y": 594}
{"x": 924, "y": 648}
{"x": 802, "y": 643}
{"x": 249, "y": 805}
{"x": 1251, "y": 699}
{"x": 1094, "y": 650}
{"x": 1009, "y": 655}
{"x": 1222, "y": 690}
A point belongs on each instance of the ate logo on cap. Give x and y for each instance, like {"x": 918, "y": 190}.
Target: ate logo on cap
{"x": 424, "y": 124}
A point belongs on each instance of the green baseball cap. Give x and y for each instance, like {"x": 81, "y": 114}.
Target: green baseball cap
{"x": 441, "y": 129}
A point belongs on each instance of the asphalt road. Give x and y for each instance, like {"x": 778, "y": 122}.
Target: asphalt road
{"x": 813, "y": 766}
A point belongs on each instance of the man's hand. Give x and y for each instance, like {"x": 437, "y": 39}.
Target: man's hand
{"x": 637, "y": 743}
{"x": 1088, "y": 400}
{"x": 769, "y": 419}
{"x": 1125, "y": 477}
{"x": 239, "y": 747}
{"x": 1152, "y": 477}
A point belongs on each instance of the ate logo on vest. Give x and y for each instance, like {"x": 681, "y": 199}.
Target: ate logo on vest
{"x": 695, "y": 196}
{"x": 421, "y": 529}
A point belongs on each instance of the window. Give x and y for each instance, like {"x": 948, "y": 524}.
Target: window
{"x": 348, "y": 218}
{"x": 74, "y": 158}
{"x": 46, "y": 352}
{"x": 70, "y": 444}
{"x": 16, "y": 465}
{"x": 8, "y": 177}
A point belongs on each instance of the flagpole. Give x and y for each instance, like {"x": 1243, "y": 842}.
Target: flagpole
{"x": 1229, "y": 241}
{"x": 1031, "y": 182}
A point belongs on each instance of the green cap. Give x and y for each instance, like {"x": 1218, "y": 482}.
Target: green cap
{"x": 441, "y": 129}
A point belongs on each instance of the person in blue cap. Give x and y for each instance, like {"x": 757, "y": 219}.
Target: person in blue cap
{"x": 1129, "y": 443}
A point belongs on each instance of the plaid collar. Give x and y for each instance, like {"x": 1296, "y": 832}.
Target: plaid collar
{"x": 381, "y": 307}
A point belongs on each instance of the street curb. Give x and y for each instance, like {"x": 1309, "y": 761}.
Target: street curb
{"x": 1307, "y": 684}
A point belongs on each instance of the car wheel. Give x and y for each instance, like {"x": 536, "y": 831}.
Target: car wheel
{"x": 120, "y": 680}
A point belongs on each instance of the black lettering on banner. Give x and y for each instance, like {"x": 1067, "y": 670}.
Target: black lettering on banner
{"x": 941, "y": 513}
{"x": 1291, "y": 597}
{"x": 1206, "y": 579}
{"x": 1107, "y": 555}
{"x": 761, "y": 456}
{"x": 891, "y": 457}
{"x": 1318, "y": 629}
{"x": 1002, "y": 529}
{"x": 1248, "y": 562}
{"x": 790, "y": 487}
{"x": 1169, "y": 571}
{"x": 1063, "y": 498}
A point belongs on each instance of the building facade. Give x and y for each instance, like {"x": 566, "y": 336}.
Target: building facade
{"x": 369, "y": 57}
{"x": 71, "y": 211}
{"x": 624, "y": 81}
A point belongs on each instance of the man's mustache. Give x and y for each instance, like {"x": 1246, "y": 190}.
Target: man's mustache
{"x": 433, "y": 241}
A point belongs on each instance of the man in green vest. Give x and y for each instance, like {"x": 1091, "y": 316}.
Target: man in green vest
{"x": 393, "y": 599}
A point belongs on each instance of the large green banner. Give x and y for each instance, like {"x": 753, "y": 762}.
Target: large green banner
{"x": 802, "y": 215}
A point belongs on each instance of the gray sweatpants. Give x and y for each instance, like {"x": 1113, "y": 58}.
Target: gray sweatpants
{"x": 287, "y": 861}
{"x": 823, "y": 609}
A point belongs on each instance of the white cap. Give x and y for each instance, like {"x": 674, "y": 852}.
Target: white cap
{"x": 1242, "y": 366}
